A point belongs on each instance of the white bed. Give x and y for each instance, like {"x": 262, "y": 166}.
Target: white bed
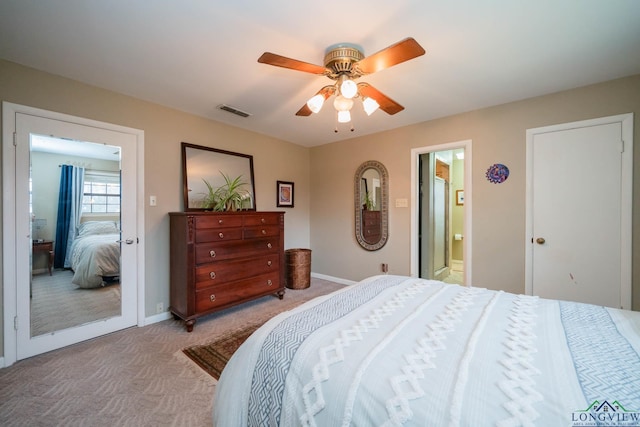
{"x": 394, "y": 350}
{"x": 95, "y": 254}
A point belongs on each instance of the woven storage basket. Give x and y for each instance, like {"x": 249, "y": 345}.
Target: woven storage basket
{"x": 298, "y": 268}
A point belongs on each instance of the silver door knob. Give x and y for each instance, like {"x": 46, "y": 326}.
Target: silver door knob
{"x": 128, "y": 241}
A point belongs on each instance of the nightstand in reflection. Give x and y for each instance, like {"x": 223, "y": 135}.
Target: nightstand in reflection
{"x": 45, "y": 246}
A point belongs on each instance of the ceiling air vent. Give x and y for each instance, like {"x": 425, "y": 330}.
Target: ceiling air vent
{"x": 233, "y": 110}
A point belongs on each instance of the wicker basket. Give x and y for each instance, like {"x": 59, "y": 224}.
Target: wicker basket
{"x": 298, "y": 268}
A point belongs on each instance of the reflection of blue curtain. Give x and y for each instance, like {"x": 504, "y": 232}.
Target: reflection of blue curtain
{"x": 69, "y": 212}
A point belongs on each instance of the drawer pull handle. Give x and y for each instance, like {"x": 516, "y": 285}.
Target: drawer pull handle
{"x": 212, "y": 275}
{"x": 264, "y": 232}
{"x": 269, "y": 245}
{"x": 221, "y": 235}
{"x": 269, "y": 263}
{"x": 212, "y": 254}
{"x": 212, "y": 297}
{"x": 220, "y": 221}
{"x": 269, "y": 282}
{"x": 263, "y": 220}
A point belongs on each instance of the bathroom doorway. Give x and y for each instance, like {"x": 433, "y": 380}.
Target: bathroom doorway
{"x": 441, "y": 212}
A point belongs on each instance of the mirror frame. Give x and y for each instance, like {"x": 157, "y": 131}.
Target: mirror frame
{"x": 384, "y": 204}
{"x": 218, "y": 161}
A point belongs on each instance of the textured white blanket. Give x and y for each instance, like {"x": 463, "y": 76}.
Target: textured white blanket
{"x": 93, "y": 257}
{"x": 395, "y": 350}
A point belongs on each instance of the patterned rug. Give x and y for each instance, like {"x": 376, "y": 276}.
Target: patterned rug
{"x": 213, "y": 357}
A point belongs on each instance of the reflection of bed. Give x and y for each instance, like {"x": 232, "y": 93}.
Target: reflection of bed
{"x": 95, "y": 254}
{"x": 395, "y": 350}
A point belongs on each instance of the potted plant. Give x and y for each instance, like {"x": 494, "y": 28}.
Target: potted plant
{"x": 228, "y": 197}
{"x": 368, "y": 203}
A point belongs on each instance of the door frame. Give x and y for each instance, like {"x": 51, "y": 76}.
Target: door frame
{"x": 9, "y": 238}
{"x": 626, "y": 191}
{"x": 415, "y": 194}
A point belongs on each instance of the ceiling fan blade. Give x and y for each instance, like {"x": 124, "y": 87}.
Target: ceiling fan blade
{"x": 387, "y": 104}
{"x": 395, "y": 54}
{"x": 326, "y": 91}
{"x": 293, "y": 64}
{"x": 304, "y": 111}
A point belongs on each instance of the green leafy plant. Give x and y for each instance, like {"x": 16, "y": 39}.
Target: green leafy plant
{"x": 231, "y": 196}
{"x": 367, "y": 202}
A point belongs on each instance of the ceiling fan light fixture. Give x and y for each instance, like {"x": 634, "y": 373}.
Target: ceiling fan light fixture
{"x": 348, "y": 88}
{"x": 342, "y": 104}
{"x": 315, "y": 103}
{"x": 370, "y": 105}
{"x": 344, "y": 116}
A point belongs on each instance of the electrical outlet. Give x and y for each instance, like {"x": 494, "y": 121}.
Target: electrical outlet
{"x": 385, "y": 267}
{"x": 159, "y": 308}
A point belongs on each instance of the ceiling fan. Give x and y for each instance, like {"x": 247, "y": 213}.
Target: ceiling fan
{"x": 344, "y": 63}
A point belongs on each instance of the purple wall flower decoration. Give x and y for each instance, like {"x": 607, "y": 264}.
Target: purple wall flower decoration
{"x": 497, "y": 173}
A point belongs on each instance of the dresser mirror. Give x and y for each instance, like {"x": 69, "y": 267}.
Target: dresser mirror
{"x": 371, "y": 194}
{"x": 200, "y": 164}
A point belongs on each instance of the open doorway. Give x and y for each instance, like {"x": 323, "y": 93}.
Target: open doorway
{"x": 441, "y": 207}
{"x": 441, "y": 220}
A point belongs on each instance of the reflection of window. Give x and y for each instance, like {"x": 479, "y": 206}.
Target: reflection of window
{"x": 101, "y": 192}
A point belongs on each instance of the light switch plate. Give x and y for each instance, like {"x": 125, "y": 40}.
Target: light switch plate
{"x": 402, "y": 203}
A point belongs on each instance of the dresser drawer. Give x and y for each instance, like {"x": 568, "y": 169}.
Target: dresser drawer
{"x": 228, "y": 293}
{"x": 228, "y": 271}
{"x": 215, "y": 221}
{"x": 251, "y": 220}
{"x": 209, "y": 252}
{"x": 218, "y": 234}
{"x": 253, "y": 232}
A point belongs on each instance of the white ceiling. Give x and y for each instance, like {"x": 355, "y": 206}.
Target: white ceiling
{"x": 92, "y": 150}
{"x": 194, "y": 55}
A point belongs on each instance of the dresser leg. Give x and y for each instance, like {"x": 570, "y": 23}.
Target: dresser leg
{"x": 281, "y": 294}
{"x": 189, "y": 324}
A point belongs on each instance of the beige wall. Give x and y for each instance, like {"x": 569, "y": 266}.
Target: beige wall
{"x": 164, "y": 129}
{"x": 498, "y": 217}
{"x": 323, "y": 215}
{"x": 457, "y": 212}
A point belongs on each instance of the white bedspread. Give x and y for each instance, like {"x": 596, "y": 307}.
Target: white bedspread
{"x": 93, "y": 257}
{"x": 401, "y": 351}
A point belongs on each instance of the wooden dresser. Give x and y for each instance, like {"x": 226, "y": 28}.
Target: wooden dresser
{"x": 371, "y": 226}
{"x": 220, "y": 259}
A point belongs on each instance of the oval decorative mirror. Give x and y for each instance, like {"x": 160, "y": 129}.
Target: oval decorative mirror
{"x": 371, "y": 205}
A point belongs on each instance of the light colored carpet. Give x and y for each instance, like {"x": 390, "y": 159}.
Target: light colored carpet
{"x": 58, "y": 304}
{"x": 455, "y": 277}
{"x": 135, "y": 377}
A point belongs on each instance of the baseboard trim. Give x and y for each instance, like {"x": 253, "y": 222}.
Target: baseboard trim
{"x": 157, "y": 318}
{"x": 333, "y": 279}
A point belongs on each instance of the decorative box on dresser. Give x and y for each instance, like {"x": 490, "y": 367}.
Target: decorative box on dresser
{"x": 220, "y": 259}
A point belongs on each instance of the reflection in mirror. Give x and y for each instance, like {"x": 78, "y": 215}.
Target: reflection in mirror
{"x": 371, "y": 205}
{"x": 200, "y": 164}
{"x": 64, "y": 291}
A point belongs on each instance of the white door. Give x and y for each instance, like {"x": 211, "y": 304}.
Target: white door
{"x": 28, "y": 125}
{"x": 579, "y": 212}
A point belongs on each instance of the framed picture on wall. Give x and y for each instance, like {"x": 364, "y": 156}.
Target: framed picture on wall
{"x": 285, "y": 194}
{"x": 460, "y": 197}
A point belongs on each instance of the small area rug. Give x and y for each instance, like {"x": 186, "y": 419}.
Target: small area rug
{"x": 213, "y": 357}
